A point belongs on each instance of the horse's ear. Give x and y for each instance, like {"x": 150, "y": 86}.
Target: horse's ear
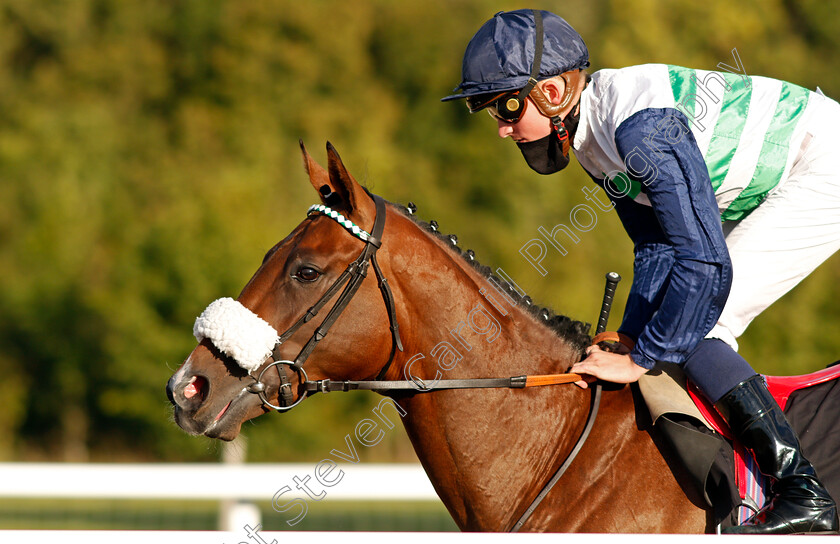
{"x": 318, "y": 176}
{"x": 353, "y": 196}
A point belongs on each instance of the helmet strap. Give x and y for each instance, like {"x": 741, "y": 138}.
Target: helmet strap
{"x": 562, "y": 134}
{"x": 535, "y": 66}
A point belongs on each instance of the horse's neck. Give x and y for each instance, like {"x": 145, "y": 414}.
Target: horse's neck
{"x": 482, "y": 447}
{"x": 451, "y": 306}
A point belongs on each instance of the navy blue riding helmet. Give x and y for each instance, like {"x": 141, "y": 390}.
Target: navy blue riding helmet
{"x": 500, "y": 56}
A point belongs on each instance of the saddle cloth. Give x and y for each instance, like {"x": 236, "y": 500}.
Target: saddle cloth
{"x": 811, "y": 404}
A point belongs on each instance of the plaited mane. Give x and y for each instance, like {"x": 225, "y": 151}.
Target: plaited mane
{"x": 574, "y": 332}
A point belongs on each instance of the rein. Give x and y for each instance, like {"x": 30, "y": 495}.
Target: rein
{"x": 601, "y": 335}
{"x": 419, "y": 385}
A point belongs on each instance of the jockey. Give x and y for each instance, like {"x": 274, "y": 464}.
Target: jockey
{"x": 726, "y": 185}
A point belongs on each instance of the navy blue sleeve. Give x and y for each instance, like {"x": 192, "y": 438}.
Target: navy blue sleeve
{"x": 682, "y": 272}
{"x": 654, "y": 258}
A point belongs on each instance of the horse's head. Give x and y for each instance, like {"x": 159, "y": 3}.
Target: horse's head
{"x": 233, "y": 374}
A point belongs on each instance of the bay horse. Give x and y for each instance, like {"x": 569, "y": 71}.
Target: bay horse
{"x": 487, "y": 452}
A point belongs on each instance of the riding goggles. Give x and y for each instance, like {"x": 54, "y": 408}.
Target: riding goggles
{"x": 507, "y": 106}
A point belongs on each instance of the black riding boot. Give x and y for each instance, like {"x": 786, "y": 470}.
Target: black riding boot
{"x": 798, "y": 501}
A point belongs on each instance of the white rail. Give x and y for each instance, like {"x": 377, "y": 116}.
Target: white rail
{"x": 235, "y": 484}
{"x": 211, "y": 481}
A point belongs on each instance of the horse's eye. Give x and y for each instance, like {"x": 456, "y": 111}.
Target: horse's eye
{"x": 307, "y": 274}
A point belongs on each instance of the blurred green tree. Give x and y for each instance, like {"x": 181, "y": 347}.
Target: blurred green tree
{"x": 148, "y": 158}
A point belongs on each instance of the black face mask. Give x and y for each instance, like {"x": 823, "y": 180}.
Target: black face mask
{"x": 545, "y": 156}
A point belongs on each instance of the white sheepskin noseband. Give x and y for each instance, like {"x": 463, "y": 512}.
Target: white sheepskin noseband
{"x": 237, "y": 332}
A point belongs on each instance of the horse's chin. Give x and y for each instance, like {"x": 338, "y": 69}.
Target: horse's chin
{"x": 226, "y": 432}
{"x": 226, "y": 422}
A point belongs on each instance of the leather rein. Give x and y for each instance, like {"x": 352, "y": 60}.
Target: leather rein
{"x": 353, "y": 276}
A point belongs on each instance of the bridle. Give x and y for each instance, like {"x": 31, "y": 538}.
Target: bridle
{"x": 353, "y": 276}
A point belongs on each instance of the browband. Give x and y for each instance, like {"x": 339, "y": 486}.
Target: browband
{"x": 354, "y": 229}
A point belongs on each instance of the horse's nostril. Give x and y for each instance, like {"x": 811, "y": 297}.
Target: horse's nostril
{"x": 196, "y": 387}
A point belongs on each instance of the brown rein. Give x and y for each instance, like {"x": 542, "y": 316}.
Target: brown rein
{"x": 420, "y": 386}
{"x": 600, "y": 335}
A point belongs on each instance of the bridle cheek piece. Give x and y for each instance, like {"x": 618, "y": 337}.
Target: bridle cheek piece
{"x": 353, "y": 276}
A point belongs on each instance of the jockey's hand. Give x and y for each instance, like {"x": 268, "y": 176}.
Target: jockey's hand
{"x": 606, "y": 366}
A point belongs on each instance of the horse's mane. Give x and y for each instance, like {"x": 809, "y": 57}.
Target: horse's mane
{"x": 574, "y": 332}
